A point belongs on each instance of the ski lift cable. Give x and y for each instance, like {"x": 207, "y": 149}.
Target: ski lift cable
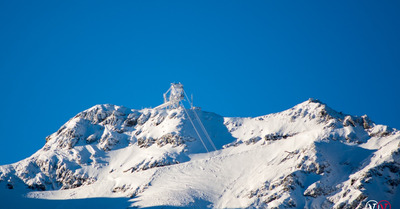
{"x": 197, "y": 132}
{"x": 191, "y": 104}
{"x": 201, "y": 124}
{"x": 194, "y": 127}
{"x": 204, "y": 130}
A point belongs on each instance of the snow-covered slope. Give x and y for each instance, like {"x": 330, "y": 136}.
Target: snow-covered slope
{"x": 309, "y": 156}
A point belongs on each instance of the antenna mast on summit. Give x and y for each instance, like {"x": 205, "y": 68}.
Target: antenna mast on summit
{"x": 173, "y": 96}
{"x": 173, "y": 99}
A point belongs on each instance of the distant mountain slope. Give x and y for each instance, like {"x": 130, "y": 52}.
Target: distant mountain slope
{"x": 309, "y": 156}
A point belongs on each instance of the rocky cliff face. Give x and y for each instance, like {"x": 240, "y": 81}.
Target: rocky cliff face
{"x": 308, "y": 156}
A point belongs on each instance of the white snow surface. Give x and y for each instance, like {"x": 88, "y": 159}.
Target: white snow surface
{"x": 108, "y": 156}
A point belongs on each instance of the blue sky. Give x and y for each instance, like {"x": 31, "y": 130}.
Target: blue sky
{"x": 238, "y": 58}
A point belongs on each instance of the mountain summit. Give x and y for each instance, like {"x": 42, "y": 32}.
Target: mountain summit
{"x": 309, "y": 156}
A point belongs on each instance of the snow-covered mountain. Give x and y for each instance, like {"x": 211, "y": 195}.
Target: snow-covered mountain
{"x": 309, "y": 156}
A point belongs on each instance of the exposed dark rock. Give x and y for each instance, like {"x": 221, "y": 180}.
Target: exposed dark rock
{"x": 277, "y": 136}
{"x": 253, "y": 140}
{"x": 143, "y": 118}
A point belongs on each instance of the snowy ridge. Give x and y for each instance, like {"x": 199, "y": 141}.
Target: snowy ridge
{"x": 309, "y": 156}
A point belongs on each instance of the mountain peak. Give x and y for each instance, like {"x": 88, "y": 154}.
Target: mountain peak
{"x": 314, "y": 100}
{"x": 305, "y": 156}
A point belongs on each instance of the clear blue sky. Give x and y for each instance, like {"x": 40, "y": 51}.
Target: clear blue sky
{"x": 238, "y": 58}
